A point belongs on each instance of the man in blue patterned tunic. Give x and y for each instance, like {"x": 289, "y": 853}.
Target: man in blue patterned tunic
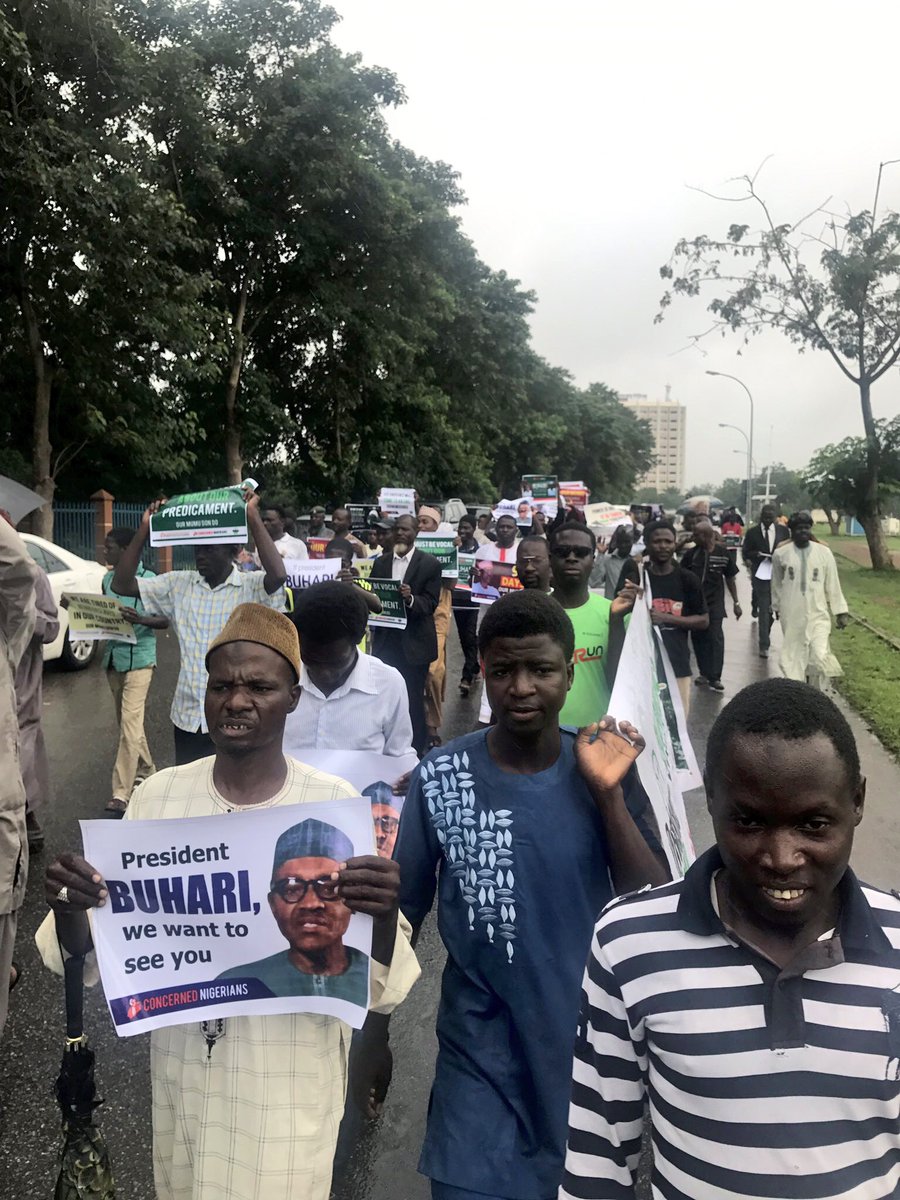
{"x": 531, "y": 834}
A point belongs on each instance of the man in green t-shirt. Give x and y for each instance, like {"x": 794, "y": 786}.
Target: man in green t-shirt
{"x": 129, "y": 669}
{"x": 599, "y": 623}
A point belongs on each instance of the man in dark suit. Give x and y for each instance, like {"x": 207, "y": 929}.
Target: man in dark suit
{"x": 759, "y": 546}
{"x": 413, "y": 649}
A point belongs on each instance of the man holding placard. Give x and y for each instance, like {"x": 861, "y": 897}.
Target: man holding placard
{"x": 197, "y": 604}
{"x": 413, "y": 648}
{"x": 248, "y": 1107}
{"x": 436, "y": 684}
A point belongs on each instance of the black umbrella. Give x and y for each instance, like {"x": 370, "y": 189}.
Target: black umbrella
{"x": 84, "y": 1168}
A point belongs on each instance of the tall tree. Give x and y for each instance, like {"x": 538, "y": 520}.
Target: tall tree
{"x": 89, "y": 253}
{"x": 265, "y": 133}
{"x": 836, "y": 291}
{"x": 837, "y": 476}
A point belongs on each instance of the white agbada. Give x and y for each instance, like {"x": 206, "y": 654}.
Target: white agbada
{"x": 254, "y": 1115}
{"x": 805, "y": 585}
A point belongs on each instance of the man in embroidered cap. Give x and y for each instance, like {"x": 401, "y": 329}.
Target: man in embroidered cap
{"x": 248, "y": 1108}
{"x": 306, "y": 904}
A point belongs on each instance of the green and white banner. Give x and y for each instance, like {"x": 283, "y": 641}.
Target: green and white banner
{"x": 218, "y": 517}
{"x": 393, "y": 607}
{"x": 444, "y": 550}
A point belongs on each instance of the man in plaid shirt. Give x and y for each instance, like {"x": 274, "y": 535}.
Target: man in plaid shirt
{"x": 197, "y": 604}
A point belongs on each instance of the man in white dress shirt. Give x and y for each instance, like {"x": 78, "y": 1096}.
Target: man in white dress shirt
{"x": 274, "y": 517}
{"x": 348, "y": 700}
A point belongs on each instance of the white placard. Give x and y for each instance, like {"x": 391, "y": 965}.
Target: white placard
{"x": 304, "y": 572}
{"x": 636, "y": 698}
{"x": 192, "y": 929}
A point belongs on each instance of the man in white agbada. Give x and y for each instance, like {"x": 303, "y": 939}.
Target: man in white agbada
{"x": 246, "y": 1108}
{"x": 805, "y": 585}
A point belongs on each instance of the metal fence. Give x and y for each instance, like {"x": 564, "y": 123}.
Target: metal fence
{"x": 73, "y": 529}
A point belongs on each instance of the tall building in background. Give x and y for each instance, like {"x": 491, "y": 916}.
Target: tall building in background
{"x": 667, "y": 420}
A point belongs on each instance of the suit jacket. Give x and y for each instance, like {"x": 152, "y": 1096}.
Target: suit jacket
{"x": 417, "y": 643}
{"x": 755, "y": 543}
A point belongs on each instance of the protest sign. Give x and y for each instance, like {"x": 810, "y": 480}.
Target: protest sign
{"x": 393, "y": 606}
{"x": 192, "y": 928}
{"x": 98, "y": 618}
{"x": 541, "y": 487}
{"x": 443, "y": 549}
{"x": 359, "y": 517}
{"x": 304, "y": 572}
{"x": 574, "y": 493}
{"x": 217, "y": 517}
{"x": 396, "y": 502}
{"x": 373, "y": 775}
{"x": 316, "y": 546}
{"x": 463, "y": 591}
{"x": 689, "y": 773}
{"x": 363, "y": 567}
{"x": 506, "y": 508}
{"x": 636, "y": 698}
{"x": 491, "y": 579}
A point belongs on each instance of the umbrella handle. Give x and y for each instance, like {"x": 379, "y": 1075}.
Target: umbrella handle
{"x": 74, "y": 970}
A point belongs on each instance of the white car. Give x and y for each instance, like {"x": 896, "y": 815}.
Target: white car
{"x": 67, "y": 573}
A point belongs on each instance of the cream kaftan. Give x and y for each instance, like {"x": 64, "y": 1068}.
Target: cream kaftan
{"x": 257, "y": 1117}
{"x": 804, "y": 584}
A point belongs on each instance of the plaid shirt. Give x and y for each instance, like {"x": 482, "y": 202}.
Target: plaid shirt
{"x": 198, "y": 614}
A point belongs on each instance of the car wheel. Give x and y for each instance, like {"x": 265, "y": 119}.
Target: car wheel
{"x": 77, "y": 653}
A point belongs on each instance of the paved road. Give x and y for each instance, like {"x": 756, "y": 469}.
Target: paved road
{"x": 79, "y": 724}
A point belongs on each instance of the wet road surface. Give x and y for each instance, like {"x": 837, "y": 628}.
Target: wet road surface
{"x": 79, "y": 723}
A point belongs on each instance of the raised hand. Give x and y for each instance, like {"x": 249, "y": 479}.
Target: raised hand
{"x": 605, "y": 751}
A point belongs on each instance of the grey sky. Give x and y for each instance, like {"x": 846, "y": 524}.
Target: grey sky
{"x": 576, "y": 127}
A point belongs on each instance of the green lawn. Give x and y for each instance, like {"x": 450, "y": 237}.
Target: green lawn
{"x": 871, "y": 679}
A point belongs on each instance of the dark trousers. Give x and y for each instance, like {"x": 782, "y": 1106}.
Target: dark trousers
{"x": 709, "y": 647}
{"x": 762, "y": 594}
{"x": 191, "y": 746}
{"x": 466, "y": 622}
{"x": 414, "y": 676}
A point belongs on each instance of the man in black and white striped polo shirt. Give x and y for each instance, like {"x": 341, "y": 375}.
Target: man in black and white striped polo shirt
{"x": 755, "y": 1003}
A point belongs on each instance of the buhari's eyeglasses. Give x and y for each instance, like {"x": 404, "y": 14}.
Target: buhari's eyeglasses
{"x": 292, "y": 890}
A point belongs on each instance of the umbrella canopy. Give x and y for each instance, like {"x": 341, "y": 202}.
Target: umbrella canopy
{"x": 84, "y": 1168}
{"x": 17, "y": 499}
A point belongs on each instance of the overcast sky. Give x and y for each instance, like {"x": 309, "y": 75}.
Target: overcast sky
{"x": 576, "y": 127}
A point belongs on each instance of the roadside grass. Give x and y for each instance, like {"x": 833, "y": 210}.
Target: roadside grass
{"x": 871, "y": 681}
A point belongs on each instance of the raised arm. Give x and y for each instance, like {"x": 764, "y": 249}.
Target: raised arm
{"x": 124, "y": 580}
{"x": 604, "y": 753}
{"x": 269, "y": 558}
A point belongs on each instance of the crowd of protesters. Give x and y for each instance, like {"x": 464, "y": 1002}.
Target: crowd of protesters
{"x": 748, "y": 1004}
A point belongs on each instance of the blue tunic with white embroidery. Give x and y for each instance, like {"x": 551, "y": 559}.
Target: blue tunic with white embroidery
{"x": 522, "y": 876}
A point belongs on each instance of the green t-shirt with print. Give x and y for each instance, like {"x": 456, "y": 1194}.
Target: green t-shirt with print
{"x": 588, "y": 698}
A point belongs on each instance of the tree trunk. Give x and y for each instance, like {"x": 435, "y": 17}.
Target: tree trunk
{"x": 234, "y": 458}
{"x": 870, "y": 517}
{"x": 834, "y": 522}
{"x": 41, "y": 521}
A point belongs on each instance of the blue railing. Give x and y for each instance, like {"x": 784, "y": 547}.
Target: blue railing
{"x": 73, "y": 529}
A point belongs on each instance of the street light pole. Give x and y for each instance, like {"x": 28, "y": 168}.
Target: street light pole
{"x": 748, "y": 515}
{"x": 743, "y": 434}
